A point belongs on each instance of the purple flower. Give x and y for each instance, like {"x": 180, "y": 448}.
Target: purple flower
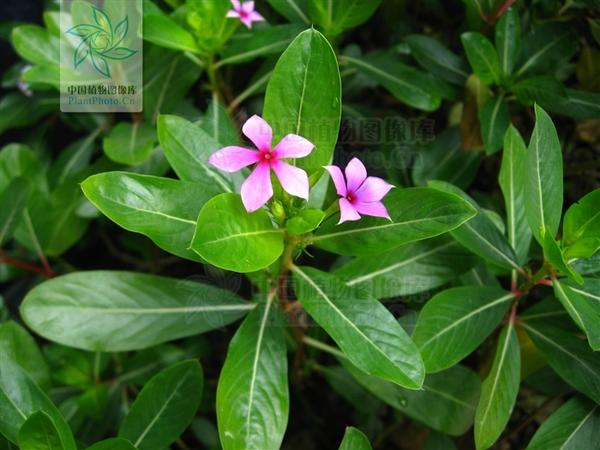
{"x": 257, "y": 189}
{"x": 245, "y": 12}
{"x": 359, "y": 193}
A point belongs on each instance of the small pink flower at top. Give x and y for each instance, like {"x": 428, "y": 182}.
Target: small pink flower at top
{"x": 245, "y": 12}
{"x": 257, "y": 189}
{"x": 359, "y": 193}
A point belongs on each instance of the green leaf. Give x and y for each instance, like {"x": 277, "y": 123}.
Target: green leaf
{"x": 187, "y": 148}
{"x": 112, "y": 444}
{"x": 163, "y": 209}
{"x": 554, "y": 254}
{"x": 582, "y": 219}
{"x": 210, "y": 23}
{"x": 305, "y": 221}
{"x": 363, "y": 328}
{"x": 112, "y": 311}
{"x": 39, "y": 433}
{"x": 18, "y": 345}
{"x": 14, "y": 201}
{"x": 354, "y": 439}
{"x": 408, "y": 269}
{"x": 512, "y": 183}
{"x": 165, "y": 407}
{"x": 499, "y": 390}
{"x": 336, "y": 17}
{"x": 494, "y": 119}
{"x": 259, "y": 43}
{"x": 456, "y": 321}
{"x": 508, "y": 40}
{"x": 293, "y": 10}
{"x": 17, "y": 111}
{"x": 583, "y": 305}
{"x": 407, "y": 84}
{"x": 482, "y": 56}
{"x": 36, "y": 45}
{"x": 252, "y": 394}
{"x": 304, "y": 97}
{"x": 416, "y": 213}
{"x": 446, "y": 159}
{"x": 165, "y": 32}
{"x": 542, "y": 89}
{"x": 575, "y": 425}
{"x": 546, "y": 46}
{"x": 217, "y": 123}
{"x": 544, "y": 177}
{"x": 229, "y": 237}
{"x": 569, "y": 356}
{"x": 454, "y": 392}
{"x": 20, "y": 397}
{"x": 480, "y": 234}
{"x": 437, "y": 59}
{"x": 130, "y": 143}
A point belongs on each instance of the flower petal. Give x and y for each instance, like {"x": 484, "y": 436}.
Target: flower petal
{"x": 257, "y": 189}
{"x": 248, "y": 7}
{"x": 338, "y": 179}
{"x": 248, "y": 22}
{"x": 376, "y": 209}
{"x": 236, "y": 4}
{"x": 347, "y": 211}
{"x": 373, "y": 189}
{"x": 256, "y": 17}
{"x": 257, "y": 129}
{"x": 293, "y": 146}
{"x": 233, "y": 13}
{"x": 356, "y": 173}
{"x": 233, "y": 158}
{"x": 292, "y": 179}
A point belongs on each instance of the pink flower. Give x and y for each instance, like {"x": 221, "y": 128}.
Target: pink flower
{"x": 359, "y": 193}
{"x": 245, "y": 12}
{"x": 257, "y": 189}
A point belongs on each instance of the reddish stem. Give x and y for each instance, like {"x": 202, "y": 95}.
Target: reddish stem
{"x": 45, "y": 271}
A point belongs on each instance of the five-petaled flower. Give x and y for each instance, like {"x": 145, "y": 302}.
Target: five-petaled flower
{"x": 245, "y": 12}
{"x": 359, "y": 193}
{"x": 257, "y": 189}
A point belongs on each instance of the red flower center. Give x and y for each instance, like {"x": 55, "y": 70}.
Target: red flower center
{"x": 350, "y": 197}
{"x": 267, "y": 156}
{"x": 243, "y": 14}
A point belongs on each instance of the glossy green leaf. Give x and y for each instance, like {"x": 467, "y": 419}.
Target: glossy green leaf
{"x": 408, "y": 269}
{"x": 547, "y": 91}
{"x": 210, "y": 23}
{"x": 407, "y": 84}
{"x": 569, "y": 356}
{"x": 543, "y": 177}
{"x": 293, "y": 10}
{"x": 512, "y": 182}
{"x": 446, "y": 159}
{"x": 546, "y": 46}
{"x": 14, "y": 201}
{"x": 113, "y": 311}
{"x": 455, "y": 393}
{"x": 229, "y": 237}
{"x": 304, "y": 97}
{"x": 165, "y": 32}
{"x": 165, "y": 407}
{"x": 482, "y": 56}
{"x": 336, "y": 17}
{"x": 252, "y": 394}
{"x": 437, "y": 59}
{"x": 39, "y": 433}
{"x": 112, "y": 444}
{"x": 455, "y": 322}
{"x": 163, "y": 209}
{"x": 582, "y": 219}
{"x": 555, "y": 256}
{"x": 583, "y": 305}
{"x": 187, "y": 148}
{"x": 573, "y": 426}
{"x": 217, "y": 123}
{"x": 363, "y": 328}
{"x": 259, "y": 43}
{"x": 36, "y": 45}
{"x": 416, "y": 213}
{"x": 19, "y": 346}
{"x": 20, "y": 397}
{"x": 480, "y": 234}
{"x": 73, "y": 161}
{"x": 508, "y": 40}
{"x": 130, "y": 143}
{"x": 17, "y": 111}
{"x": 354, "y": 439}
{"x": 494, "y": 119}
{"x": 305, "y": 221}
{"x": 499, "y": 390}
